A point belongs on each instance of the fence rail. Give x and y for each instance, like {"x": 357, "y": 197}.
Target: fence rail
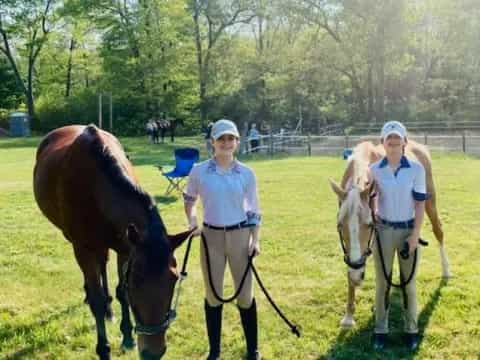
{"x": 329, "y": 145}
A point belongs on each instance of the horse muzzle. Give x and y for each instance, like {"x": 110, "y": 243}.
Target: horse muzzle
{"x": 148, "y": 355}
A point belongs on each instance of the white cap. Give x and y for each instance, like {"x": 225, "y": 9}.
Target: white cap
{"x": 394, "y": 127}
{"x": 224, "y": 126}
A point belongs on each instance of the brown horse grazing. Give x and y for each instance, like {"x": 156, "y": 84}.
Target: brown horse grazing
{"x": 354, "y": 217}
{"x": 85, "y": 185}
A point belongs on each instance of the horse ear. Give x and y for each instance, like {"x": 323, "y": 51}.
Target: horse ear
{"x": 132, "y": 235}
{"x": 338, "y": 190}
{"x": 177, "y": 239}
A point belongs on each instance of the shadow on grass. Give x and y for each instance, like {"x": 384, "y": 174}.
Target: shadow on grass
{"x": 165, "y": 199}
{"x": 17, "y": 143}
{"x": 357, "y": 343}
{"x": 29, "y": 332}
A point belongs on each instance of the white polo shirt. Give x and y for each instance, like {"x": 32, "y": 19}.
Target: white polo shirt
{"x": 398, "y": 189}
{"x": 228, "y": 197}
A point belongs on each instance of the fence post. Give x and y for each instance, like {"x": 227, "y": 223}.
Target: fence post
{"x": 464, "y": 145}
{"x": 309, "y": 145}
{"x": 346, "y": 141}
{"x": 271, "y": 143}
{"x": 425, "y": 138}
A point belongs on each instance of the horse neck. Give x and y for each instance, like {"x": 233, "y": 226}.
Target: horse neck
{"x": 121, "y": 208}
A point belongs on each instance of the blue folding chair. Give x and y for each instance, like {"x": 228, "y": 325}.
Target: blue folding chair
{"x": 185, "y": 158}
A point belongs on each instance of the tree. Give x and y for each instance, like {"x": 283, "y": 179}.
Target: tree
{"x": 211, "y": 20}
{"x": 24, "y": 28}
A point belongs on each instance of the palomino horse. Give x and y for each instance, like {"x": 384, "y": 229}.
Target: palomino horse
{"x": 85, "y": 185}
{"x": 355, "y": 220}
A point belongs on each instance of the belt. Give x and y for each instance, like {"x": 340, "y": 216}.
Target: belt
{"x": 240, "y": 225}
{"x": 399, "y": 224}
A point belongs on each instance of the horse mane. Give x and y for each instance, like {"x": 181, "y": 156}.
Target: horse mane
{"x": 359, "y": 163}
{"x": 112, "y": 169}
{"x": 156, "y": 247}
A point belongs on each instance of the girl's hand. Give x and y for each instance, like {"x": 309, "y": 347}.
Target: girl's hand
{"x": 254, "y": 247}
{"x": 192, "y": 225}
{"x": 413, "y": 242}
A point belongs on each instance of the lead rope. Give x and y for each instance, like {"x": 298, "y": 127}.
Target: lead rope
{"x": 293, "y": 328}
{"x": 183, "y": 276}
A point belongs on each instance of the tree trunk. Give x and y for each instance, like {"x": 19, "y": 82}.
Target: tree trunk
{"x": 371, "y": 101}
{"x": 201, "y": 69}
{"x": 68, "y": 84}
{"x": 380, "y": 73}
{"x": 29, "y": 95}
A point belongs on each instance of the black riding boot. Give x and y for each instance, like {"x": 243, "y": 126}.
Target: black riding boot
{"x": 249, "y": 324}
{"x": 213, "y": 317}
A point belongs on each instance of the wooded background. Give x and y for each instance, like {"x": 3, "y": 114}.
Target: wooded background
{"x": 266, "y": 61}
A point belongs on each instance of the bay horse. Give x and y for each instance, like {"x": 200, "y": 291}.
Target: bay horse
{"x": 354, "y": 220}
{"x": 85, "y": 185}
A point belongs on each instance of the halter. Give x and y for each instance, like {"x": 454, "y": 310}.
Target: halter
{"x": 140, "y": 328}
{"x": 368, "y": 251}
{"x": 171, "y": 314}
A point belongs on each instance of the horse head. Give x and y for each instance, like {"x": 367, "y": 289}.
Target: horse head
{"x": 354, "y": 224}
{"x": 149, "y": 277}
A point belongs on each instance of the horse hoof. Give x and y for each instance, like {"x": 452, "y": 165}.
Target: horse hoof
{"x": 128, "y": 344}
{"x": 347, "y": 323}
{"x": 446, "y": 274}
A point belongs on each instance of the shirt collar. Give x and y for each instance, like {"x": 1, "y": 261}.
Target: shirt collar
{"x": 212, "y": 166}
{"x": 404, "y": 163}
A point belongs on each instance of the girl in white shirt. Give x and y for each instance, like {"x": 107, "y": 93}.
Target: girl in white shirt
{"x": 231, "y": 220}
{"x": 400, "y": 210}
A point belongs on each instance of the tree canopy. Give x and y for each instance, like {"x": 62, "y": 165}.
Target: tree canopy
{"x": 265, "y": 61}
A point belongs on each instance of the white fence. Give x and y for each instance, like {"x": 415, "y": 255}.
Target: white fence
{"x": 330, "y": 145}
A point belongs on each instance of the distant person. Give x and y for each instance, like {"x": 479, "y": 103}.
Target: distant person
{"x": 149, "y": 130}
{"x": 152, "y": 130}
{"x": 254, "y": 138}
{"x": 163, "y": 126}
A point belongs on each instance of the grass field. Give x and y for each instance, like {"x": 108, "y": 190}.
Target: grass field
{"x": 42, "y": 315}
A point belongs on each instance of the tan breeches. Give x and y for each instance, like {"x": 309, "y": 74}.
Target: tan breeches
{"x": 392, "y": 241}
{"x": 223, "y": 246}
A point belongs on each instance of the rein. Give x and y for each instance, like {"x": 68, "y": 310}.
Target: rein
{"x": 294, "y": 328}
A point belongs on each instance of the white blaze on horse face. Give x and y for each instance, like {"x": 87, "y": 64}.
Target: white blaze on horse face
{"x": 352, "y": 212}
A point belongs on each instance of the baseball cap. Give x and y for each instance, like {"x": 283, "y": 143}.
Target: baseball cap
{"x": 393, "y": 127}
{"x": 222, "y": 127}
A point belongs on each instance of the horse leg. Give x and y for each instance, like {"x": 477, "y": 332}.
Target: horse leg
{"x": 97, "y": 300}
{"x": 348, "y": 321}
{"x": 109, "y": 312}
{"x": 431, "y": 209}
{"x": 126, "y": 327}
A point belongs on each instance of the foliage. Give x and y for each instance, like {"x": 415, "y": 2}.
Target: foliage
{"x": 265, "y": 61}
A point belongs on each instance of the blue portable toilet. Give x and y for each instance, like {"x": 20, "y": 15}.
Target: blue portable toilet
{"x": 19, "y": 124}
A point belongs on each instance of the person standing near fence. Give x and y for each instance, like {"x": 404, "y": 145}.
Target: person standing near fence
{"x": 231, "y": 222}
{"x": 254, "y": 138}
{"x": 400, "y": 207}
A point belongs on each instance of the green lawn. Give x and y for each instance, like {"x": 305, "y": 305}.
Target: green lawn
{"x": 42, "y": 315}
